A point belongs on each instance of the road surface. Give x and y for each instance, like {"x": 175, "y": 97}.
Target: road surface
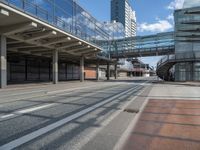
{"x": 65, "y": 116}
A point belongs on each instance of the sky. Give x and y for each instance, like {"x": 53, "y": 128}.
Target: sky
{"x": 153, "y": 16}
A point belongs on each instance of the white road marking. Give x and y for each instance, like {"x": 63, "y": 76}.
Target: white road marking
{"x": 26, "y": 138}
{"x": 34, "y": 109}
{"x": 130, "y": 127}
{"x": 21, "y": 88}
{"x": 20, "y": 112}
{"x": 80, "y": 88}
{"x": 7, "y": 116}
{"x": 52, "y": 92}
{"x": 17, "y": 94}
{"x": 67, "y": 90}
{"x": 91, "y": 135}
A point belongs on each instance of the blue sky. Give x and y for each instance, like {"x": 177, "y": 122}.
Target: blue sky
{"x": 153, "y": 16}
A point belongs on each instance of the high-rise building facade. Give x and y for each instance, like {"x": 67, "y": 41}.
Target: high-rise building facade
{"x": 187, "y": 46}
{"x": 121, "y": 11}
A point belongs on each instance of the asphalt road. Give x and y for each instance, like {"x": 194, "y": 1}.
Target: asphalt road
{"x": 60, "y": 117}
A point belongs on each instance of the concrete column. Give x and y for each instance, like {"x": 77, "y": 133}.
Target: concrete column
{"x": 97, "y": 71}
{"x": 55, "y": 66}
{"x": 116, "y": 71}
{"x": 82, "y": 69}
{"x": 108, "y": 71}
{"x": 3, "y": 62}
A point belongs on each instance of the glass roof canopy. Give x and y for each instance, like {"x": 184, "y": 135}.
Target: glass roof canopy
{"x": 68, "y": 16}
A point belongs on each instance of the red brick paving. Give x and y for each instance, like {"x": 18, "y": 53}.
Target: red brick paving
{"x": 167, "y": 125}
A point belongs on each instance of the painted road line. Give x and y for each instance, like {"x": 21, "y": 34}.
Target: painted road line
{"x": 24, "y": 139}
{"x": 16, "y": 113}
{"x": 92, "y": 134}
{"x": 32, "y": 109}
{"x": 22, "y": 88}
{"x": 17, "y": 94}
{"x": 68, "y": 90}
{"x": 99, "y": 90}
{"x": 7, "y": 116}
{"x": 80, "y": 88}
{"x": 47, "y": 94}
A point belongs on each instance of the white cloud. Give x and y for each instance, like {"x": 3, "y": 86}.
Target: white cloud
{"x": 191, "y": 3}
{"x": 160, "y": 26}
{"x": 176, "y": 4}
{"x": 170, "y": 17}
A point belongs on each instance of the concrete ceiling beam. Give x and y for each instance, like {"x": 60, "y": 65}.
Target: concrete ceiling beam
{"x": 17, "y": 28}
{"x": 45, "y": 53}
{"x": 56, "y": 40}
{"x": 20, "y": 45}
{"x": 4, "y": 12}
{"x": 13, "y": 42}
{"x": 89, "y": 51}
{"x": 41, "y": 51}
{"x": 15, "y": 50}
{"x": 77, "y": 49}
{"x": 36, "y": 43}
{"x": 67, "y": 45}
{"x": 34, "y": 49}
{"x": 41, "y": 35}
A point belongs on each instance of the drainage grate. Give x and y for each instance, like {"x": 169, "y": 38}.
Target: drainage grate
{"x": 130, "y": 110}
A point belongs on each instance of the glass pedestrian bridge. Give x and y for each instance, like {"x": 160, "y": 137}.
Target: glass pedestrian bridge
{"x": 139, "y": 46}
{"x": 68, "y": 16}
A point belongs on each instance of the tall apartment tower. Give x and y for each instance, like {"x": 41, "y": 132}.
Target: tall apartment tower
{"x": 121, "y": 11}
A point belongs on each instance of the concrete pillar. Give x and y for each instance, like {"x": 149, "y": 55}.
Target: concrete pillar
{"x": 97, "y": 71}
{"x": 3, "y": 62}
{"x": 116, "y": 71}
{"x": 108, "y": 71}
{"x": 55, "y": 66}
{"x": 82, "y": 69}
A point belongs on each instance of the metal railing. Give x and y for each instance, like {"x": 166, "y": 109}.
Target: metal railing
{"x": 180, "y": 57}
{"x": 148, "y": 49}
{"x": 151, "y": 43}
{"x": 40, "y": 13}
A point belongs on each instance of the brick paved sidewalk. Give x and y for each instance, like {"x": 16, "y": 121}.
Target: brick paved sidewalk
{"x": 167, "y": 125}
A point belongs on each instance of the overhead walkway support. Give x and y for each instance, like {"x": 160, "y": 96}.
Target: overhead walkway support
{"x": 167, "y": 62}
